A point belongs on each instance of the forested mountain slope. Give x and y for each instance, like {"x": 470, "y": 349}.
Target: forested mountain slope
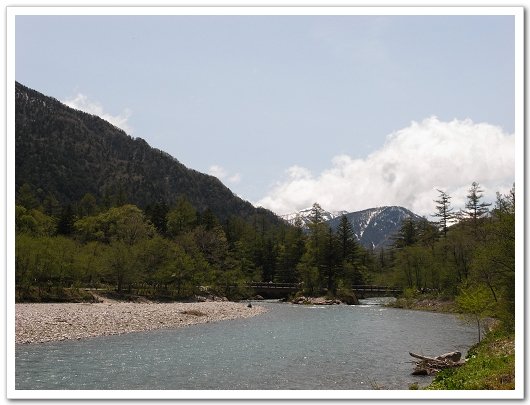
{"x": 68, "y": 153}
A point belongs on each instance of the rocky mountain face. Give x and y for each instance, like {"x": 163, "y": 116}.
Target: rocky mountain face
{"x": 68, "y": 153}
{"x": 373, "y": 227}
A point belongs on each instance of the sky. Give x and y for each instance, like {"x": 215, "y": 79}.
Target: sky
{"x": 352, "y": 112}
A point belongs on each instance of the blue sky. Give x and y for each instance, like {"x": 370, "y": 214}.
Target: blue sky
{"x": 288, "y": 110}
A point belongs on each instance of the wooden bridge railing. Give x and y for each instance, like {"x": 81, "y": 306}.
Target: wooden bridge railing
{"x": 295, "y": 286}
{"x": 376, "y": 288}
{"x": 267, "y": 285}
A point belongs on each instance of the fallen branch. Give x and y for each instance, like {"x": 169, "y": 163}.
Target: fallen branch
{"x": 431, "y": 365}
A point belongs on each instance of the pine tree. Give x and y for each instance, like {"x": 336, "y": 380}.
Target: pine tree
{"x": 475, "y": 208}
{"x": 66, "y": 221}
{"x": 346, "y": 239}
{"x": 316, "y": 216}
{"x": 443, "y": 211}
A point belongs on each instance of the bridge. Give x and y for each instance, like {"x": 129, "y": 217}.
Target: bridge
{"x": 283, "y": 290}
{"x": 275, "y": 290}
{"x": 366, "y": 291}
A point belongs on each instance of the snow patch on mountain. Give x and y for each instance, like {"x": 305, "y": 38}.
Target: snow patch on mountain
{"x": 373, "y": 227}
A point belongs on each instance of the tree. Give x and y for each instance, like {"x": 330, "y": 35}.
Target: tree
{"x": 316, "y": 215}
{"x": 494, "y": 259}
{"x": 89, "y": 262}
{"x": 346, "y": 240}
{"x": 291, "y": 253}
{"x": 157, "y": 214}
{"x": 407, "y": 234}
{"x": 443, "y": 211}
{"x": 26, "y": 197}
{"x": 475, "y": 208}
{"x": 270, "y": 257}
{"x": 477, "y": 302}
{"x": 331, "y": 262}
{"x": 51, "y": 206}
{"x": 65, "y": 225}
{"x": 212, "y": 244}
{"x": 33, "y": 222}
{"x": 87, "y": 206}
{"x": 182, "y": 218}
{"x": 348, "y": 253}
{"x": 126, "y": 223}
{"x": 121, "y": 264}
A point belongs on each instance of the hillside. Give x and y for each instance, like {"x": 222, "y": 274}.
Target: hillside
{"x": 69, "y": 153}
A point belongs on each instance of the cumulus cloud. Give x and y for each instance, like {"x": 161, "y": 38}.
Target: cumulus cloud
{"x": 408, "y": 169}
{"x": 83, "y": 103}
{"x": 222, "y": 174}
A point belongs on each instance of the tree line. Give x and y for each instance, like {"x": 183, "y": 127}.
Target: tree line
{"x": 175, "y": 248}
{"x": 178, "y": 250}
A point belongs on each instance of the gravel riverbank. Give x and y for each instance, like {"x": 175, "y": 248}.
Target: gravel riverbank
{"x": 37, "y": 323}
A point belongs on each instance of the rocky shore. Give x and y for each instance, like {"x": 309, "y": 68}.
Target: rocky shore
{"x": 37, "y": 323}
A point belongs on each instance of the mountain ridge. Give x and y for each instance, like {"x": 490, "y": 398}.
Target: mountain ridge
{"x": 68, "y": 153}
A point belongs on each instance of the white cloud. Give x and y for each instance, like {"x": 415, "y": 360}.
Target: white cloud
{"x": 235, "y": 179}
{"x": 82, "y": 102}
{"x": 406, "y": 171}
{"x": 221, "y": 173}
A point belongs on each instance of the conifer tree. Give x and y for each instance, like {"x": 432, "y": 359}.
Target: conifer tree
{"x": 475, "y": 208}
{"x": 346, "y": 239}
{"x": 443, "y": 211}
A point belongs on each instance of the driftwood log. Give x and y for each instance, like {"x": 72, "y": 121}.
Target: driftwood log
{"x": 431, "y": 365}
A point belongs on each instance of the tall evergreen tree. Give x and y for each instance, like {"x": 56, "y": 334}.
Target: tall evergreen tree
{"x": 407, "y": 234}
{"x": 157, "y": 213}
{"x": 66, "y": 221}
{"x": 475, "y": 208}
{"x": 346, "y": 239}
{"x": 331, "y": 262}
{"x": 316, "y": 215}
{"x": 444, "y": 211}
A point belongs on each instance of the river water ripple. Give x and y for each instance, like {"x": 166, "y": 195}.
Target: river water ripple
{"x": 289, "y": 347}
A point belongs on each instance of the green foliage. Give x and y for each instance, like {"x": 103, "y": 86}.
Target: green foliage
{"x": 126, "y": 223}
{"x": 475, "y": 301}
{"x": 182, "y": 218}
{"x": 444, "y": 211}
{"x": 490, "y": 366}
{"x": 34, "y": 222}
{"x": 474, "y": 259}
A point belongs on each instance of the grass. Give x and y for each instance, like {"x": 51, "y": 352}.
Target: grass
{"x": 490, "y": 366}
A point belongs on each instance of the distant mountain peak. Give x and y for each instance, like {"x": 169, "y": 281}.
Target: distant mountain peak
{"x": 373, "y": 227}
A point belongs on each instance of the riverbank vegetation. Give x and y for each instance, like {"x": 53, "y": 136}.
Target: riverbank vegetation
{"x": 490, "y": 366}
{"x": 464, "y": 263}
{"x": 172, "y": 252}
{"x": 465, "y": 259}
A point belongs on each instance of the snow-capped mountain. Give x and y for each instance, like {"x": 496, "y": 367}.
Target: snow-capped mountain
{"x": 373, "y": 227}
{"x": 305, "y": 214}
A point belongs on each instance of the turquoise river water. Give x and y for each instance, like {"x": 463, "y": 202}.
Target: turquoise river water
{"x": 289, "y": 347}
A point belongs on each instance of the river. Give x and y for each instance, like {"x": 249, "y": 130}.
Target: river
{"x": 289, "y": 347}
